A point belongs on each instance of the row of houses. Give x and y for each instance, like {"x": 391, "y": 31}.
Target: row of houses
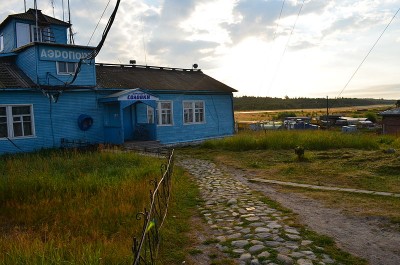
{"x": 390, "y": 123}
{"x": 44, "y": 105}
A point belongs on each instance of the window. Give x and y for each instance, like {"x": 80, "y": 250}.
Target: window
{"x": 150, "y": 115}
{"x": 165, "y": 113}
{"x": 29, "y": 33}
{"x": 3, "y": 123}
{"x": 193, "y": 112}
{"x": 1, "y": 43}
{"x": 66, "y": 68}
{"x": 23, "y": 34}
{"x": 40, "y": 34}
{"x": 16, "y": 121}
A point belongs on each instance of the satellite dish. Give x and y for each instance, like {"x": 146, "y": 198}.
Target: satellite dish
{"x": 195, "y": 66}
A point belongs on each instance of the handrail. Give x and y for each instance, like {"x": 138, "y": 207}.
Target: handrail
{"x": 145, "y": 251}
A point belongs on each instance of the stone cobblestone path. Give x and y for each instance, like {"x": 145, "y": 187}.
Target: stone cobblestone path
{"x": 246, "y": 228}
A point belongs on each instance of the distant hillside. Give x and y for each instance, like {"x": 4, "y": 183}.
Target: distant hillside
{"x": 267, "y": 103}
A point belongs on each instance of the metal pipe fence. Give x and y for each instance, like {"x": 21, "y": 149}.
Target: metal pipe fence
{"x": 145, "y": 248}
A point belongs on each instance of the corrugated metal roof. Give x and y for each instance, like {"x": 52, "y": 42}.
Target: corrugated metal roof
{"x": 12, "y": 77}
{"x": 391, "y": 112}
{"x": 31, "y": 16}
{"x": 156, "y": 78}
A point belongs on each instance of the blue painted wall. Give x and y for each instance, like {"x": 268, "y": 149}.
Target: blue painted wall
{"x": 48, "y": 55}
{"x": 42, "y": 69}
{"x": 60, "y": 34}
{"x": 54, "y": 121}
{"x": 26, "y": 61}
{"x": 8, "y": 37}
{"x": 9, "y": 32}
{"x": 219, "y": 119}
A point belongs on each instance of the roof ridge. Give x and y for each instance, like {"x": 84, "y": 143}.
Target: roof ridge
{"x": 152, "y": 67}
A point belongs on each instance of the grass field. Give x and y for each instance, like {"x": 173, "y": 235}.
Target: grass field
{"x": 268, "y": 115}
{"x": 311, "y": 140}
{"x": 331, "y": 159}
{"x": 80, "y": 208}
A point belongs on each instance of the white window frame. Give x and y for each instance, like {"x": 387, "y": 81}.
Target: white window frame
{"x": 192, "y": 111}
{"x": 23, "y": 34}
{"x": 164, "y": 111}
{"x": 66, "y": 66}
{"x": 37, "y": 32}
{"x": 150, "y": 115}
{"x": 1, "y": 42}
{"x": 11, "y": 121}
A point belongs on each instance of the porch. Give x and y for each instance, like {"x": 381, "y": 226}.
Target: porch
{"x": 147, "y": 147}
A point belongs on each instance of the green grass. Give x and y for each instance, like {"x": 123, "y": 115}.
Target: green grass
{"x": 344, "y": 164}
{"x": 77, "y": 208}
{"x": 310, "y": 140}
{"x": 330, "y": 247}
{"x": 347, "y": 168}
{"x": 176, "y": 243}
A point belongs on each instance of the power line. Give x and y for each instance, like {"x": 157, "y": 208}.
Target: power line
{"x": 144, "y": 44}
{"x": 96, "y": 51}
{"x": 287, "y": 43}
{"x": 261, "y": 83}
{"x": 277, "y": 22}
{"x": 98, "y": 22}
{"x": 373, "y": 46}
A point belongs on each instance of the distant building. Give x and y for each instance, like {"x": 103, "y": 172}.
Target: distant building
{"x": 40, "y": 108}
{"x": 391, "y": 121}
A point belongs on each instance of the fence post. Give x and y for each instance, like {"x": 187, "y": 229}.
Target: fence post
{"x": 145, "y": 250}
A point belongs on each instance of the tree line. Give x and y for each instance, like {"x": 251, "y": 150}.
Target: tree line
{"x": 268, "y": 103}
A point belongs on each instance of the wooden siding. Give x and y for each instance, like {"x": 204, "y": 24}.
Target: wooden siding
{"x": 9, "y": 37}
{"x": 47, "y": 70}
{"x": 218, "y": 119}
{"x": 391, "y": 124}
{"x": 9, "y": 33}
{"x": 54, "y": 121}
{"x": 60, "y": 34}
{"x": 26, "y": 61}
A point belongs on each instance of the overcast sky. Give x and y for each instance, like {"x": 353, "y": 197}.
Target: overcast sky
{"x": 244, "y": 44}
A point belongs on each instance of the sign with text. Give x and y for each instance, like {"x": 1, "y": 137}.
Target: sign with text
{"x": 62, "y": 54}
{"x": 137, "y": 96}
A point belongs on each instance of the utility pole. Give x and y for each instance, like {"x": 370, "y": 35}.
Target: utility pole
{"x": 327, "y": 112}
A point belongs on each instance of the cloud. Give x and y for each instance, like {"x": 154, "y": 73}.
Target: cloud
{"x": 168, "y": 41}
{"x": 388, "y": 91}
{"x": 350, "y": 24}
{"x": 302, "y": 44}
{"x": 259, "y": 18}
{"x": 183, "y": 53}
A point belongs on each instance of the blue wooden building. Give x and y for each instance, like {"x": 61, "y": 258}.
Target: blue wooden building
{"x": 40, "y": 106}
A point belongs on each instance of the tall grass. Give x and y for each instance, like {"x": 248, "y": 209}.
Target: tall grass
{"x": 69, "y": 207}
{"x": 311, "y": 140}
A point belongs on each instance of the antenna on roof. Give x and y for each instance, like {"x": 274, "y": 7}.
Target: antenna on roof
{"x": 25, "y": 5}
{"x": 36, "y": 32}
{"x": 71, "y": 34}
{"x": 62, "y": 3}
{"x": 52, "y": 5}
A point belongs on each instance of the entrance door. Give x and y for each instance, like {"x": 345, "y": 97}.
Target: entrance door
{"x": 129, "y": 120}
